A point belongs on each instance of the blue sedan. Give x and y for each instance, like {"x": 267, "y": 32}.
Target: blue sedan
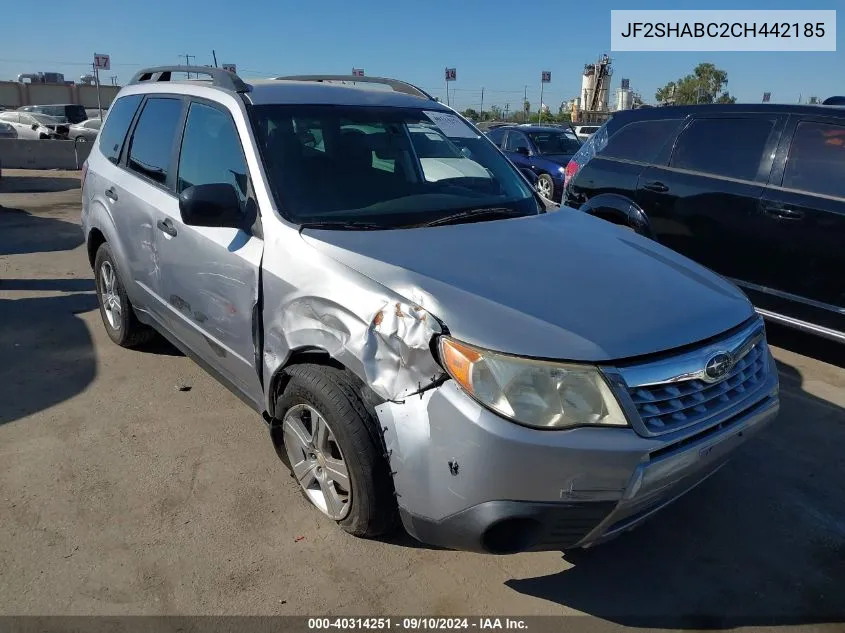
{"x": 545, "y": 150}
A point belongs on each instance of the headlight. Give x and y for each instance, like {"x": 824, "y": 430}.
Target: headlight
{"x": 535, "y": 393}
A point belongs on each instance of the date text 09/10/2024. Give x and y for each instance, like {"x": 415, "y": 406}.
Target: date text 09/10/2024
{"x": 416, "y": 624}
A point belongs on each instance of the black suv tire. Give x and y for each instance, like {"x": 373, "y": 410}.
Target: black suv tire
{"x": 335, "y": 396}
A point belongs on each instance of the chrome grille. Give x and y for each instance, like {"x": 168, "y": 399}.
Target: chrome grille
{"x": 669, "y": 406}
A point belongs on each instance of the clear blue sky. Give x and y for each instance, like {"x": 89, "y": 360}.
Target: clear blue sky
{"x": 500, "y": 45}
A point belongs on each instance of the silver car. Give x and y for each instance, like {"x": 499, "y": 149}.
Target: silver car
{"x": 84, "y": 132}
{"x": 425, "y": 340}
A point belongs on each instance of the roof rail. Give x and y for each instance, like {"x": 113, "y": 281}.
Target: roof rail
{"x": 398, "y": 86}
{"x": 219, "y": 77}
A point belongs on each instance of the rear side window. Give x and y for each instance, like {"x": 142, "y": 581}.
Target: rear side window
{"x": 640, "y": 141}
{"x": 152, "y": 140}
{"x": 74, "y": 113}
{"x": 816, "y": 161}
{"x": 116, "y": 126}
{"x": 723, "y": 147}
{"x": 497, "y": 136}
{"x": 211, "y": 151}
{"x": 515, "y": 141}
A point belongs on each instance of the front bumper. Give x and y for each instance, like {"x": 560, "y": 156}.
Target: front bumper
{"x": 467, "y": 479}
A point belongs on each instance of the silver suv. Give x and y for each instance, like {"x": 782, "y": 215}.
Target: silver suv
{"x": 425, "y": 340}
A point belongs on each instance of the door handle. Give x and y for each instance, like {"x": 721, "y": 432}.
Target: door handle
{"x": 167, "y": 227}
{"x": 783, "y": 213}
{"x": 657, "y": 186}
{"x": 111, "y": 194}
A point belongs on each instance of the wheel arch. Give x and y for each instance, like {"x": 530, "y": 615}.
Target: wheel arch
{"x": 313, "y": 355}
{"x": 619, "y": 209}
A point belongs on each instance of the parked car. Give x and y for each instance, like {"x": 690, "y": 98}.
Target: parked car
{"x": 7, "y": 130}
{"x": 544, "y": 150}
{"x": 443, "y": 350}
{"x": 583, "y": 132}
{"x": 66, "y": 112}
{"x": 754, "y": 192}
{"x": 29, "y": 125}
{"x": 86, "y": 131}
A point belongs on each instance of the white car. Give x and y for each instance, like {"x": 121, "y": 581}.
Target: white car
{"x": 583, "y": 132}
{"x": 86, "y": 131}
{"x": 34, "y": 126}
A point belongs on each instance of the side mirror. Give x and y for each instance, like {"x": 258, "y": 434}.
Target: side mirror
{"x": 215, "y": 204}
{"x": 34, "y": 126}
{"x": 523, "y": 150}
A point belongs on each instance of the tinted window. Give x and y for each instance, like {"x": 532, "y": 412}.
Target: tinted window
{"x": 497, "y": 136}
{"x": 515, "y": 141}
{"x": 211, "y": 151}
{"x": 152, "y": 140}
{"x": 74, "y": 113}
{"x": 116, "y": 125}
{"x": 640, "y": 141}
{"x": 555, "y": 142}
{"x": 724, "y": 147}
{"x": 816, "y": 160}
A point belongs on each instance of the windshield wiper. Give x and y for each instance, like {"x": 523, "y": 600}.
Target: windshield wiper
{"x": 350, "y": 225}
{"x": 472, "y": 213}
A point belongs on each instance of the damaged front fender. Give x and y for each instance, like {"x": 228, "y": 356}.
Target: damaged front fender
{"x": 376, "y": 333}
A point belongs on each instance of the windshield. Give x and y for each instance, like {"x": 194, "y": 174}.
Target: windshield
{"x": 390, "y": 167}
{"x": 556, "y": 142}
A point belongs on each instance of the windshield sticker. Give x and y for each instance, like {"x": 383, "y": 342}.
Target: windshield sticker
{"x": 451, "y": 125}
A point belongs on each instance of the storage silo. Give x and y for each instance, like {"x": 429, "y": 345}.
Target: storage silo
{"x": 624, "y": 99}
{"x": 588, "y": 86}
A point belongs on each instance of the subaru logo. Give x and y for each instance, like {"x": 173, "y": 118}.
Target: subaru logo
{"x": 718, "y": 366}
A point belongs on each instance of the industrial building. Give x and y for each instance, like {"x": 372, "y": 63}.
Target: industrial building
{"x": 43, "y": 88}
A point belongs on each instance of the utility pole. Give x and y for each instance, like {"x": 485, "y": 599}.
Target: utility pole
{"x": 99, "y": 101}
{"x": 507, "y": 107}
{"x": 524, "y": 99}
{"x": 188, "y": 62}
{"x": 214, "y": 55}
{"x": 481, "y": 114}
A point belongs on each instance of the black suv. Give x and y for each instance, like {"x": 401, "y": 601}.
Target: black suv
{"x": 70, "y": 112}
{"x": 754, "y": 192}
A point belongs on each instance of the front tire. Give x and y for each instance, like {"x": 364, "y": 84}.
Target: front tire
{"x": 546, "y": 186}
{"x": 119, "y": 318}
{"x": 330, "y": 440}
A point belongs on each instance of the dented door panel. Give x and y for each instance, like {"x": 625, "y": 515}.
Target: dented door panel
{"x": 209, "y": 284}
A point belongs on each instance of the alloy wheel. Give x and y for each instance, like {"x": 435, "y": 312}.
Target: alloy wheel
{"x": 109, "y": 295}
{"x": 317, "y": 461}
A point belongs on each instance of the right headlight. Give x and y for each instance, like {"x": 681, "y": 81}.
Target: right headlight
{"x": 534, "y": 393}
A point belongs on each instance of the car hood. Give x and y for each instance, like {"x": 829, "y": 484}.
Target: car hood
{"x": 560, "y": 285}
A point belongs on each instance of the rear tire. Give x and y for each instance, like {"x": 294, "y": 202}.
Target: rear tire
{"x": 333, "y": 396}
{"x": 117, "y": 313}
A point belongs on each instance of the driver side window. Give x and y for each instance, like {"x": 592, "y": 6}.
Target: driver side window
{"x": 211, "y": 151}
{"x": 516, "y": 140}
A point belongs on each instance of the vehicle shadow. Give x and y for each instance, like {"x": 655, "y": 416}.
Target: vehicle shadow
{"x": 762, "y": 542}
{"x": 22, "y": 232}
{"x": 37, "y": 184}
{"x": 46, "y": 352}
